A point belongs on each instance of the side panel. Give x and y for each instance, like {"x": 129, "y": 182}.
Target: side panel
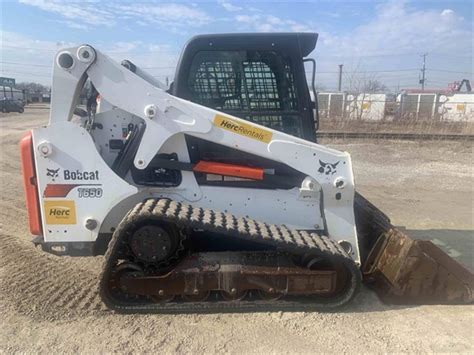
{"x": 76, "y": 187}
{"x": 276, "y": 206}
{"x": 270, "y": 206}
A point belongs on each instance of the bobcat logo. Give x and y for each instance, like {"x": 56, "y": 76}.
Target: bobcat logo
{"x": 327, "y": 168}
{"x": 52, "y": 173}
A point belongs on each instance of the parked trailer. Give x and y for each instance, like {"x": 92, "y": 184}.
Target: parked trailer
{"x": 366, "y": 107}
{"x": 332, "y": 105}
{"x": 457, "y": 107}
{"x": 418, "y": 106}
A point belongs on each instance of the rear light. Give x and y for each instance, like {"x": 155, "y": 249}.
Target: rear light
{"x": 30, "y": 184}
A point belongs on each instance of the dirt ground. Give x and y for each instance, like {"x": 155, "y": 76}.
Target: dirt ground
{"x": 50, "y": 304}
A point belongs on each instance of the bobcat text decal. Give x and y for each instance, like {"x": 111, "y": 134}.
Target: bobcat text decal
{"x": 81, "y": 175}
{"x": 73, "y": 174}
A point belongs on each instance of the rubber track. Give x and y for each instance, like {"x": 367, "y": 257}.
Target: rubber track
{"x": 228, "y": 226}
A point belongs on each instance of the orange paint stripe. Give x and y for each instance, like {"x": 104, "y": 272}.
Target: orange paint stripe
{"x": 58, "y": 190}
{"x": 29, "y": 184}
{"x": 229, "y": 170}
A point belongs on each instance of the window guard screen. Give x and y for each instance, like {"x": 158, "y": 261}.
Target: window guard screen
{"x": 254, "y": 85}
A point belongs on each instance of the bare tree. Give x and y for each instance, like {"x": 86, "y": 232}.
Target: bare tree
{"x": 359, "y": 84}
{"x": 374, "y": 86}
{"x": 32, "y": 87}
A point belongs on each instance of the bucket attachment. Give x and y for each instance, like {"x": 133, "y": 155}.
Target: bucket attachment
{"x": 407, "y": 271}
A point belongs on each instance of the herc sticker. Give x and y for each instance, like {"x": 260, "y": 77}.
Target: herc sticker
{"x": 243, "y": 129}
{"x": 60, "y": 212}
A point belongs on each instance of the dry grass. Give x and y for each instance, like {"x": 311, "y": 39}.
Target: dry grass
{"x": 405, "y": 126}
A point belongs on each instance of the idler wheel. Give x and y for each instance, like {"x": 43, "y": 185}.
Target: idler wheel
{"x": 161, "y": 297}
{"x": 197, "y": 296}
{"x": 124, "y": 270}
{"x": 234, "y": 295}
{"x": 269, "y": 295}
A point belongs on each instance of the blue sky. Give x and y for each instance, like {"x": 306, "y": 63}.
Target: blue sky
{"x": 373, "y": 39}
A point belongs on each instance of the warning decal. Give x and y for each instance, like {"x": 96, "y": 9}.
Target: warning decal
{"x": 243, "y": 129}
{"x": 60, "y": 212}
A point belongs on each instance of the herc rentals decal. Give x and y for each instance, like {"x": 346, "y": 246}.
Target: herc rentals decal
{"x": 243, "y": 129}
{"x": 60, "y": 212}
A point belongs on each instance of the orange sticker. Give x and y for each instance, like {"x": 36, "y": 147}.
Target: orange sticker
{"x": 60, "y": 212}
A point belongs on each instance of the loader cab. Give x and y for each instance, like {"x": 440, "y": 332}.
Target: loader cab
{"x": 259, "y": 77}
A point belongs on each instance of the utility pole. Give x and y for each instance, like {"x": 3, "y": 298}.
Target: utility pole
{"x": 423, "y": 70}
{"x": 339, "y": 85}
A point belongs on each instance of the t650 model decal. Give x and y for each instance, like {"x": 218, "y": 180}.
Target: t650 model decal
{"x": 62, "y": 190}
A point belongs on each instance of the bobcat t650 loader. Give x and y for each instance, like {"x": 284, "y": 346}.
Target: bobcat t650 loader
{"x": 214, "y": 195}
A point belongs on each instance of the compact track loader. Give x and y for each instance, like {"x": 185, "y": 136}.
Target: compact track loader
{"x": 214, "y": 195}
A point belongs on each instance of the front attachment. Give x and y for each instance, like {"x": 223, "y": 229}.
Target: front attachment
{"x": 407, "y": 271}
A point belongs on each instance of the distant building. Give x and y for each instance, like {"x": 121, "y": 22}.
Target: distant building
{"x": 38, "y": 97}
{"x": 8, "y": 91}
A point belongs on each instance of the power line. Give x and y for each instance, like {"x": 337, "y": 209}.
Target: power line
{"x": 50, "y": 66}
{"x": 367, "y": 55}
{"x": 30, "y": 48}
{"x": 105, "y": 51}
{"x": 171, "y": 67}
{"x": 27, "y": 64}
{"x": 307, "y": 71}
{"x": 450, "y": 71}
{"x": 24, "y": 73}
{"x": 318, "y": 72}
{"x": 323, "y": 56}
{"x": 451, "y": 55}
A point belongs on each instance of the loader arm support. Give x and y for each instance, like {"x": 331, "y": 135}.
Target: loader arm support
{"x": 329, "y": 171}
